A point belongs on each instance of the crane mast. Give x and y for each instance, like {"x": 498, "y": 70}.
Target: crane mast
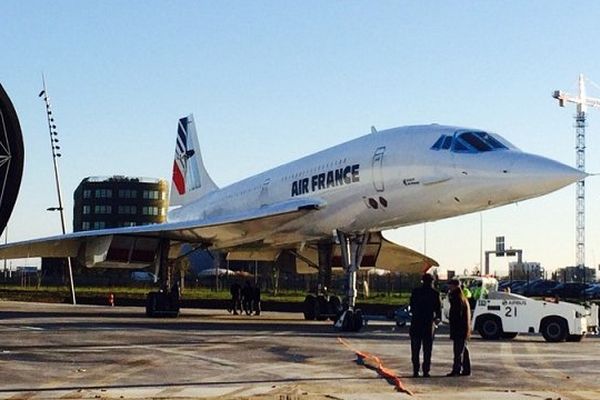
{"x": 583, "y": 102}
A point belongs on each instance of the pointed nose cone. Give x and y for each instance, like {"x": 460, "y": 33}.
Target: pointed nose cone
{"x": 535, "y": 175}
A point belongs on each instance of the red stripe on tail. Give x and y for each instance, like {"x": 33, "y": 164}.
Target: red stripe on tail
{"x": 178, "y": 179}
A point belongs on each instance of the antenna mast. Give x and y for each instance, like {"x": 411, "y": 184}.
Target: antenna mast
{"x": 583, "y": 102}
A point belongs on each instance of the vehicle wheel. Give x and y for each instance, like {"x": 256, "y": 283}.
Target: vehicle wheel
{"x": 335, "y": 307}
{"x": 490, "y": 327}
{"x": 509, "y": 335}
{"x": 151, "y": 304}
{"x": 322, "y": 308}
{"x": 574, "y": 338}
{"x": 310, "y": 308}
{"x": 554, "y": 329}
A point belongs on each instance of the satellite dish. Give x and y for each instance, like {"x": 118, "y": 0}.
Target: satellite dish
{"x": 12, "y": 156}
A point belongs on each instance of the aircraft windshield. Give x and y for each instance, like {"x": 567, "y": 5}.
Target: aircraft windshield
{"x": 468, "y": 142}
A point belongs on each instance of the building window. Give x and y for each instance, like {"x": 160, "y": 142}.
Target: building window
{"x": 99, "y": 225}
{"x": 85, "y": 226}
{"x": 102, "y": 209}
{"x": 162, "y": 211}
{"x": 87, "y": 193}
{"x": 103, "y": 193}
{"x": 150, "y": 210}
{"x": 87, "y": 209}
{"x": 127, "y": 210}
{"x": 150, "y": 194}
{"x": 127, "y": 193}
{"x": 128, "y": 223}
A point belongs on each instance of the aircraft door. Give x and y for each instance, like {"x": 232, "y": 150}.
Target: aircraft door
{"x": 264, "y": 192}
{"x": 377, "y": 169}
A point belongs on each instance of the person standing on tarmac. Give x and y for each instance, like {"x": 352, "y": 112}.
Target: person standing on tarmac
{"x": 426, "y": 311}
{"x": 460, "y": 329}
{"x": 247, "y": 296}
{"x": 256, "y": 299}
{"x": 174, "y": 296}
{"x": 236, "y": 298}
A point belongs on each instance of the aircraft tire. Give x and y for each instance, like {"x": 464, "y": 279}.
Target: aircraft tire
{"x": 335, "y": 308}
{"x": 358, "y": 320}
{"x": 348, "y": 321}
{"x": 310, "y": 304}
{"x": 151, "y": 302}
{"x": 322, "y": 308}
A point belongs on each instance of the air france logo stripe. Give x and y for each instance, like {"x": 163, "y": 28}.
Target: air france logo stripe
{"x": 180, "y": 163}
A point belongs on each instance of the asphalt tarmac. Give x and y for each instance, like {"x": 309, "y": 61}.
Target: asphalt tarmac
{"x": 50, "y": 351}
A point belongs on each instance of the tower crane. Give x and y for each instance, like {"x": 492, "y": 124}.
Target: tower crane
{"x": 583, "y": 102}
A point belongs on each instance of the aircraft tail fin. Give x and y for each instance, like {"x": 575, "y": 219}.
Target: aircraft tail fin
{"x": 190, "y": 179}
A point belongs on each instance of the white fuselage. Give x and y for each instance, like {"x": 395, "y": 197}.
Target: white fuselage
{"x": 386, "y": 180}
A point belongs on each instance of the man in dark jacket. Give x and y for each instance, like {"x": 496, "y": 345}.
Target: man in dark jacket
{"x": 256, "y": 299}
{"x": 460, "y": 329}
{"x": 247, "y": 297}
{"x": 426, "y": 313}
{"x": 236, "y": 297}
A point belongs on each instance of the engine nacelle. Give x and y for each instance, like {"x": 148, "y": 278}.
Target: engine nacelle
{"x": 118, "y": 252}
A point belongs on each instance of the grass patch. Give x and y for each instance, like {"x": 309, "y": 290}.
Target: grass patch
{"x": 60, "y": 293}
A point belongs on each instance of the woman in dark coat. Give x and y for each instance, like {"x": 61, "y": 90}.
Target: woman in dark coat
{"x": 460, "y": 329}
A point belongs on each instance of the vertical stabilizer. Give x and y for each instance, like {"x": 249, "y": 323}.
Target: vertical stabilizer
{"x": 190, "y": 179}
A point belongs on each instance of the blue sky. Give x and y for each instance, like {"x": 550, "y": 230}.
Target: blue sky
{"x": 272, "y": 81}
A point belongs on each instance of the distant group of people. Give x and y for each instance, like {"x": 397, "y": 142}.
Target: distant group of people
{"x": 426, "y": 311}
{"x": 244, "y": 299}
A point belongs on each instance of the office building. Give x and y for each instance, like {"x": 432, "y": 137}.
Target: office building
{"x": 119, "y": 201}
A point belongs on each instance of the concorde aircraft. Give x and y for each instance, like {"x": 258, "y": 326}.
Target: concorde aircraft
{"x": 326, "y": 209}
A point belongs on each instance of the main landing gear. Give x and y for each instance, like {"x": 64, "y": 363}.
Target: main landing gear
{"x": 321, "y": 305}
{"x": 164, "y": 302}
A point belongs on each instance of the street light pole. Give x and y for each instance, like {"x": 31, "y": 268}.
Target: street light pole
{"x": 5, "y": 242}
{"x": 54, "y": 146}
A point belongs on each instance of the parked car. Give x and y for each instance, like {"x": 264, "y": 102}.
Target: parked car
{"x": 402, "y": 315}
{"x": 569, "y": 290}
{"x": 515, "y": 285}
{"x": 539, "y": 288}
{"x": 523, "y": 287}
{"x": 142, "y": 276}
{"x": 542, "y": 288}
{"x": 593, "y": 292}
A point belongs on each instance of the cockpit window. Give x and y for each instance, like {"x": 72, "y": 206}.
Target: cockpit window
{"x": 468, "y": 142}
{"x": 447, "y": 142}
{"x": 438, "y": 144}
{"x": 494, "y": 142}
{"x": 475, "y": 141}
{"x": 460, "y": 147}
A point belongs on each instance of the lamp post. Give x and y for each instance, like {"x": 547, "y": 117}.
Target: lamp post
{"x": 55, "y": 154}
{"x": 5, "y": 242}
